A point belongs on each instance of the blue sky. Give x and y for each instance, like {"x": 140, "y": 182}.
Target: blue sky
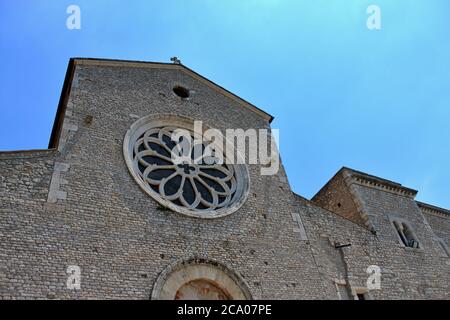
{"x": 342, "y": 95}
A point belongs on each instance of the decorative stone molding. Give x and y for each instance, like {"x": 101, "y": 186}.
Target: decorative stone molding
{"x": 366, "y": 180}
{"x": 54, "y": 192}
{"x": 196, "y": 190}
{"x": 177, "y": 275}
{"x": 427, "y": 208}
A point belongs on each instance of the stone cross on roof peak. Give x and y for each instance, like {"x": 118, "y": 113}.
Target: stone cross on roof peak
{"x": 175, "y": 60}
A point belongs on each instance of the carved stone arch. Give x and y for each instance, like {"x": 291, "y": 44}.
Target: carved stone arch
{"x": 214, "y": 276}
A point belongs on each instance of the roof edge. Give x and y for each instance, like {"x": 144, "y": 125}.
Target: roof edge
{"x": 62, "y": 105}
{"x": 312, "y": 203}
{"x": 179, "y": 66}
{"x": 433, "y": 209}
{"x": 369, "y": 180}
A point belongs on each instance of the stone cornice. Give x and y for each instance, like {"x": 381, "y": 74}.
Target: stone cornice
{"x": 427, "y": 208}
{"x": 366, "y": 180}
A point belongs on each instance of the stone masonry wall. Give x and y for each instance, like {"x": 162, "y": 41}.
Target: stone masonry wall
{"x": 99, "y": 219}
{"x": 405, "y": 273}
{"x": 336, "y": 197}
{"x": 440, "y": 225}
{"x": 420, "y": 273}
{"x": 78, "y": 205}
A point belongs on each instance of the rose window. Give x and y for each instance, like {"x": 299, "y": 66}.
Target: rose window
{"x": 197, "y": 185}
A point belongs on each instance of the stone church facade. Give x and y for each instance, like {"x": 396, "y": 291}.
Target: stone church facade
{"x": 91, "y": 217}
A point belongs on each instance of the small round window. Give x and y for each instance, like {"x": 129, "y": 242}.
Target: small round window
{"x": 182, "y": 92}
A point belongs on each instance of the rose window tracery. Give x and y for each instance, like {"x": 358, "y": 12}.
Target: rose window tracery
{"x": 199, "y": 185}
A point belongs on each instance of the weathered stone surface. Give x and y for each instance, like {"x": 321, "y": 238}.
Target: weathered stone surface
{"x": 78, "y": 205}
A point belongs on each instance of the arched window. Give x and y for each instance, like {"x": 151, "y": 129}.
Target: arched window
{"x": 406, "y": 234}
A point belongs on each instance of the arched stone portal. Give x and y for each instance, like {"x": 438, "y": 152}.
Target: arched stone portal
{"x": 199, "y": 279}
{"x": 201, "y": 289}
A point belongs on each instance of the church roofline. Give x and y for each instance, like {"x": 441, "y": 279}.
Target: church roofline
{"x": 428, "y": 208}
{"x": 54, "y": 138}
{"x": 369, "y": 180}
{"x": 62, "y": 104}
{"x": 365, "y": 179}
{"x": 312, "y": 203}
